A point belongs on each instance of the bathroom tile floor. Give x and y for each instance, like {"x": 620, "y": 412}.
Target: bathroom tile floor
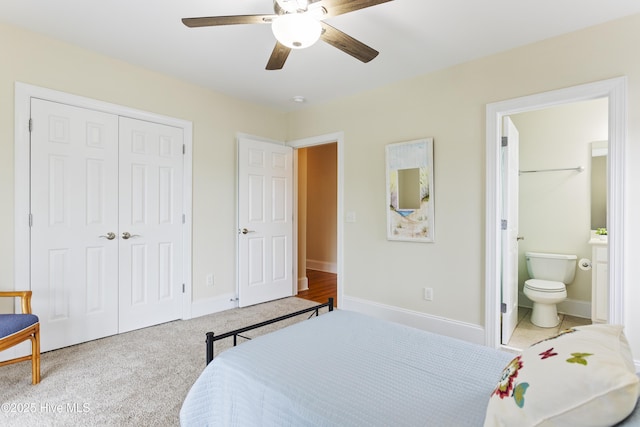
{"x": 527, "y": 333}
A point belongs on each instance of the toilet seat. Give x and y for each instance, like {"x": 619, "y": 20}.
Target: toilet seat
{"x": 544, "y": 285}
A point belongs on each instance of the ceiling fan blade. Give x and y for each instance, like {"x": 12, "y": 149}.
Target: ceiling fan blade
{"x": 278, "y": 57}
{"x": 212, "y": 21}
{"x": 347, "y": 44}
{"x": 339, "y": 7}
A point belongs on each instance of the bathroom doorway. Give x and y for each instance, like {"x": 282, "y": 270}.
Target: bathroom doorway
{"x": 613, "y": 91}
{"x": 553, "y": 195}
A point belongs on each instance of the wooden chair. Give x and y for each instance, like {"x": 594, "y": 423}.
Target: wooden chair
{"x": 16, "y": 328}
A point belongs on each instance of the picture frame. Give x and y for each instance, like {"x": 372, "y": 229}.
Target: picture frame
{"x": 410, "y": 191}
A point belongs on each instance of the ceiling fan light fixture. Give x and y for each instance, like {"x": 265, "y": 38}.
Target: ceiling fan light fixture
{"x": 291, "y": 6}
{"x": 296, "y": 30}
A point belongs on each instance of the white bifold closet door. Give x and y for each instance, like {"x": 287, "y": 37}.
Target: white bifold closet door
{"x": 106, "y": 245}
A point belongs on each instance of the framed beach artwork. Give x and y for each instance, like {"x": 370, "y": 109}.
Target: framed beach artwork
{"x": 410, "y": 208}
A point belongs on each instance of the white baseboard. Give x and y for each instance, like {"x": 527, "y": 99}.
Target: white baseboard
{"x": 572, "y": 307}
{"x": 213, "y": 305}
{"x": 440, "y": 325}
{"x": 328, "y": 267}
{"x": 303, "y": 284}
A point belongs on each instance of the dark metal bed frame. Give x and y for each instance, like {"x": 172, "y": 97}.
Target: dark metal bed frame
{"x": 211, "y": 337}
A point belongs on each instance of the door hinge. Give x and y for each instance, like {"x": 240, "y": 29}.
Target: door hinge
{"x": 503, "y": 308}
{"x": 183, "y": 288}
{"x": 30, "y": 220}
{"x": 30, "y": 124}
{"x": 184, "y": 149}
{"x": 184, "y": 219}
{"x": 503, "y": 224}
{"x": 505, "y": 141}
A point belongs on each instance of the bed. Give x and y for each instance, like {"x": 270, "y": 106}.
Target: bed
{"x": 347, "y": 369}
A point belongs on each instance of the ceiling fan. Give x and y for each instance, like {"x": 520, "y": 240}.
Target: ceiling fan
{"x": 297, "y": 24}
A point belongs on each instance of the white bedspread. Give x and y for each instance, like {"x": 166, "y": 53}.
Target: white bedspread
{"x": 346, "y": 369}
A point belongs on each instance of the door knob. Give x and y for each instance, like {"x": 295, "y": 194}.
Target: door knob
{"x": 520, "y": 238}
{"x": 126, "y": 235}
{"x": 246, "y": 231}
{"x": 109, "y": 236}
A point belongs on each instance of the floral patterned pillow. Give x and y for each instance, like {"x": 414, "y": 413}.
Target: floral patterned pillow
{"x": 585, "y": 376}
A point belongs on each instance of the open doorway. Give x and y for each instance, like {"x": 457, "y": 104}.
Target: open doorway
{"x": 553, "y": 205}
{"x": 615, "y": 91}
{"x": 321, "y": 157}
{"x": 317, "y": 192}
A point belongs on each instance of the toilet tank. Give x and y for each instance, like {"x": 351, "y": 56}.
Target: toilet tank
{"x": 556, "y": 267}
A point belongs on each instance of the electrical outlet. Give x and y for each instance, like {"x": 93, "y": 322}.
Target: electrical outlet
{"x": 428, "y": 294}
{"x": 210, "y": 279}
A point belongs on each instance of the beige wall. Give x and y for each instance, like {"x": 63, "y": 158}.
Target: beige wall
{"x": 554, "y": 207}
{"x": 33, "y": 59}
{"x": 450, "y": 106}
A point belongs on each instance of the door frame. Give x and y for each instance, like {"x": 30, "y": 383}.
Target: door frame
{"x": 615, "y": 90}
{"x": 338, "y": 138}
{"x": 22, "y": 172}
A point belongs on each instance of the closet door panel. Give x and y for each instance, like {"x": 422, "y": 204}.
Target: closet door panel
{"x": 151, "y": 165}
{"x": 74, "y": 205}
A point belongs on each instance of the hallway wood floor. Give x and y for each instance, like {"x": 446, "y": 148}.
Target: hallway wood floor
{"x": 322, "y": 286}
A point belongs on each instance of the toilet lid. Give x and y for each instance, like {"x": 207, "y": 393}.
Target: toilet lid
{"x": 544, "y": 285}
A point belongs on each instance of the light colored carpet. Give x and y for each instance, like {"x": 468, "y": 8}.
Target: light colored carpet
{"x": 139, "y": 378}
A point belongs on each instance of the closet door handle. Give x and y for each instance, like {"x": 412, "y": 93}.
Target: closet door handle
{"x": 126, "y": 235}
{"x": 109, "y": 236}
{"x": 246, "y": 231}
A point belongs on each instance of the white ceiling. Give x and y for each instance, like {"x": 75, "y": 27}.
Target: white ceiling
{"x": 413, "y": 37}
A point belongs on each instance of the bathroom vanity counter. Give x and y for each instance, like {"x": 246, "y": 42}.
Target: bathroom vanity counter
{"x": 599, "y": 240}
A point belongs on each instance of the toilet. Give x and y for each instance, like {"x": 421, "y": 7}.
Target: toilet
{"x": 550, "y": 273}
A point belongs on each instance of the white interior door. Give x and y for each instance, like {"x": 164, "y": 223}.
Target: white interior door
{"x": 151, "y": 221}
{"x": 265, "y": 221}
{"x": 510, "y": 164}
{"x": 74, "y": 207}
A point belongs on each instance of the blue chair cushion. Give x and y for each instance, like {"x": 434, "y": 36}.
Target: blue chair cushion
{"x": 12, "y": 323}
